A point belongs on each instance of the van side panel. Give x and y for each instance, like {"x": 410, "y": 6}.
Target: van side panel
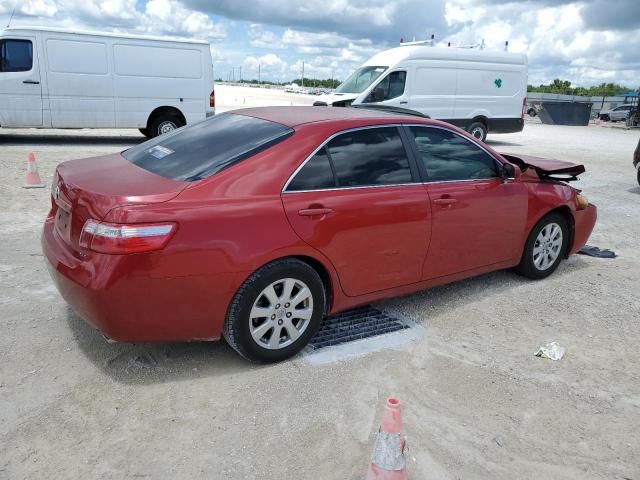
{"x": 80, "y": 87}
{"x": 493, "y": 90}
{"x": 434, "y": 87}
{"x": 149, "y": 76}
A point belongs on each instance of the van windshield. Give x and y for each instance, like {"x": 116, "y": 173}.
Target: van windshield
{"x": 359, "y": 80}
{"x": 203, "y": 149}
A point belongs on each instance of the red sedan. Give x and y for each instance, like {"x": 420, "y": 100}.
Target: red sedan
{"x": 256, "y": 224}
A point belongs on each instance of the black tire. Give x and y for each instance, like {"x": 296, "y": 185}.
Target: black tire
{"x": 604, "y": 118}
{"x": 531, "y": 112}
{"x": 165, "y": 123}
{"x": 478, "y": 130}
{"x": 145, "y": 132}
{"x": 238, "y": 324}
{"x": 638, "y": 175}
{"x": 527, "y": 265}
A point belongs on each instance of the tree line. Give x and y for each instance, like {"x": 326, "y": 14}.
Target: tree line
{"x": 564, "y": 87}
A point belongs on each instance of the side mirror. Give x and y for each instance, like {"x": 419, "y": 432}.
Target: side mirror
{"x": 378, "y": 94}
{"x": 508, "y": 171}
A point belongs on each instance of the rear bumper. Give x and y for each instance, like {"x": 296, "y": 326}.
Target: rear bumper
{"x": 584, "y": 221}
{"x": 120, "y": 295}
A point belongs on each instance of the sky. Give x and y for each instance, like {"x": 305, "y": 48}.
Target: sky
{"x": 587, "y": 42}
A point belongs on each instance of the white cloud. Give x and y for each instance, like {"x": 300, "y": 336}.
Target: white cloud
{"x": 171, "y": 16}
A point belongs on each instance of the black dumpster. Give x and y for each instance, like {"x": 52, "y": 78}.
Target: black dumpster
{"x": 565, "y": 113}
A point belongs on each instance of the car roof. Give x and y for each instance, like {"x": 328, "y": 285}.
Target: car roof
{"x": 295, "y": 116}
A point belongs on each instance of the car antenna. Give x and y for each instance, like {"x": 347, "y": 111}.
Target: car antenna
{"x": 11, "y": 17}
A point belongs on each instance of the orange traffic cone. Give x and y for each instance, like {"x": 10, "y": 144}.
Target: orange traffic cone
{"x": 388, "y": 460}
{"x": 32, "y": 180}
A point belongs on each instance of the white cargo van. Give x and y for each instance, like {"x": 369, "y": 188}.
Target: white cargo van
{"x": 55, "y": 78}
{"x": 479, "y": 90}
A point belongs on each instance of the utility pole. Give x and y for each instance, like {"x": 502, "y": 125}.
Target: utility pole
{"x": 240, "y": 67}
{"x": 332, "y": 72}
{"x": 258, "y": 73}
{"x": 303, "y": 73}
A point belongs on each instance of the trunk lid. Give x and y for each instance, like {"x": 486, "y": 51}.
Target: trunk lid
{"x": 547, "y": 168}
{"x": 89, "y": 188}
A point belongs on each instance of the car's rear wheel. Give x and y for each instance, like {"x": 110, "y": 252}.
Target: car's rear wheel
{"x": 478, "y": 130}
{"x": 144, "y": 131}
{"x": 545, "y": 247}
{"x": 276, "y": 311}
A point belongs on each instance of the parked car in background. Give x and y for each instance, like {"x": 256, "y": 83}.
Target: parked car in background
{"x": 479, "y": 90}
{"x": 58, "y": 78}
{"x": 615, "y": 114}
{"x": 636, "y": 161}
{"x": 258, "y": 223}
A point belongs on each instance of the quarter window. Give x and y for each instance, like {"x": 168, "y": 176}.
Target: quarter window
{"x": 315, "y": 175}
{"x": 374, "y": 156}
{"x": 16, "y": 55}
{"x": 447, "y": 156}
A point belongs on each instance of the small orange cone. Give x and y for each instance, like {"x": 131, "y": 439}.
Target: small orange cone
{"x": 32, "y": 180}
{"x": 388, "y": 460}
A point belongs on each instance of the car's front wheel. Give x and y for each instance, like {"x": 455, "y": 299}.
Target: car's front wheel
{"x": 545, "y": 247}
{"x": 276, "y": 311}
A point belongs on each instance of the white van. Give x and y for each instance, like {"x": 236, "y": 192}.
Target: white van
{"x": 55, "y": 78}
{"x": 479, "y": 90}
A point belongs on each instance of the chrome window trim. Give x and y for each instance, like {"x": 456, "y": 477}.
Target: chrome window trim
{"x": 385, "y": 125}
{"x": 323, "y": 144}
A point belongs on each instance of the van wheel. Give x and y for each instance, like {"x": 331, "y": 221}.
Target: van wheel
{"x": 145, "y": 132}
{"x": 478, "y": 130}
{"x": 164, "y": 124}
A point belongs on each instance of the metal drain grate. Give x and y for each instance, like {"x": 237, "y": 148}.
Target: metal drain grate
{"x": 363, "y": 322}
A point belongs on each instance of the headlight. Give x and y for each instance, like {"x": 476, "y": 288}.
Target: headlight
{"x": 582, "y": 201}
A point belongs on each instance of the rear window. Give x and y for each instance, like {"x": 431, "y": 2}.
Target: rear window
{"x": 203, "y": 149}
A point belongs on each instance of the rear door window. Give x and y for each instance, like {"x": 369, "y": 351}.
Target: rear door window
{"x": 203, "y": 149}
{"x": 16, "y": 55}
{"x": 369, "y": 157}
{"x": 447, "y": 156}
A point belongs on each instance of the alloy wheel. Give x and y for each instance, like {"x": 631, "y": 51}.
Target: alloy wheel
{"x": 547, "y": 246}
{"x": 281, "y": 313}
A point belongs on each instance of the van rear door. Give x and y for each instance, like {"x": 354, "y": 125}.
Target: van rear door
{"x": 20, "y": 89}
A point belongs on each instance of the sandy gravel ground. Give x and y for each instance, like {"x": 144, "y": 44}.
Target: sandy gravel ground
{"x": 74, "y": 406}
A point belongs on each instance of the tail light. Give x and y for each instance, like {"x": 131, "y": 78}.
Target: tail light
{"x": 118, "y": 239}
{"x": 212, "y": 98}
{"x": 524, "y": 107}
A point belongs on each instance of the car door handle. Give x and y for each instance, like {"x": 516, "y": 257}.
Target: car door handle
{"x": 310, "y": 212}
{"x": 444, "y": 201}
{"x": 403, "y": 103}
{"x": 31, "y": 82}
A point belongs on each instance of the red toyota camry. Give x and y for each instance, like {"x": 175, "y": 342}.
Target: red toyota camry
{"x": 256, "y": 224}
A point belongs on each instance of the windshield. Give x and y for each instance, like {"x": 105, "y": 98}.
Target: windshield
{"x": 202, "y": 149}
{"x": 359, "y": 80}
